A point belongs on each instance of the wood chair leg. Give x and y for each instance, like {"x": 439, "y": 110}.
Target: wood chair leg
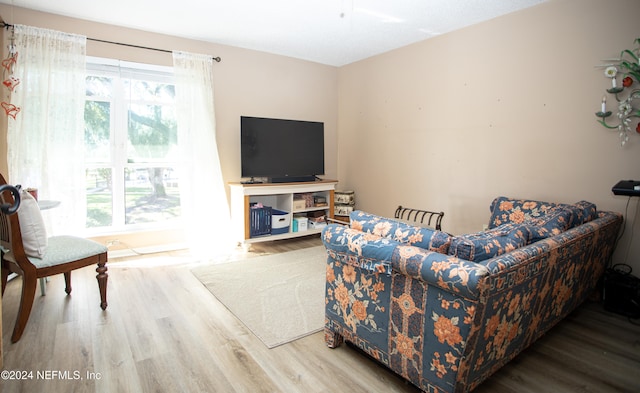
{"x": 67, "y": 282}
{"x": 5, "y": 278}
{"x": 102, "y": 283}
{"x": 26, "y": 303}
{"x": 43, "y": 286}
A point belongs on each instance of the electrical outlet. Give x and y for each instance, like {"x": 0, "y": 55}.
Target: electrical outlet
{"x": 485, "y": 227}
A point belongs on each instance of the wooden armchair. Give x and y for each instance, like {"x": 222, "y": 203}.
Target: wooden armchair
{"x": 61, "y": 255}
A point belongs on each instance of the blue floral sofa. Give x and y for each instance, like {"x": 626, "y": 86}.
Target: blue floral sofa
{"x": 445, "y": 312}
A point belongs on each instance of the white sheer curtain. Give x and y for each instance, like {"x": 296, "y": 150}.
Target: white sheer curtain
{"x": 202, "y": 191}
{"x": 45, "y": 141}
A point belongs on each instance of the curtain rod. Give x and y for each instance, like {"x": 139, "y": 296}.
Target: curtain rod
{"x": 217, "y": 59}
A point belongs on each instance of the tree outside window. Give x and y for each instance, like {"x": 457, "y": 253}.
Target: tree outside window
{"x": 130, "y": 147}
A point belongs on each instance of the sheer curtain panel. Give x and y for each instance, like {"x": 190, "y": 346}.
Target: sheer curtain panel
{"x": 202, "y": 191}
{"x": 45, "y": 141}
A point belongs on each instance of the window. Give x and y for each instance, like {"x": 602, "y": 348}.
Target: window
{"x": 130, "y": 146}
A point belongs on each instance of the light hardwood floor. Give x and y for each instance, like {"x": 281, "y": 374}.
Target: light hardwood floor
{"x": 164, "y": 332}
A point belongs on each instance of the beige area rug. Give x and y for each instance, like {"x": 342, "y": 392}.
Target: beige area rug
{"x": 279, "y": 297}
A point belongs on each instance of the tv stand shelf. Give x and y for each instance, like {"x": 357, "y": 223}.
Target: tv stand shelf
{"x": 279, "y": 196}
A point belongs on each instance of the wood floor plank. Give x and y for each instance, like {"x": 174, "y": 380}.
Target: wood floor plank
{"x": 164, "y": 331}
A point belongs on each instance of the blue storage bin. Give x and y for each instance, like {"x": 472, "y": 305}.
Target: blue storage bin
{"x": 260, "y": 221}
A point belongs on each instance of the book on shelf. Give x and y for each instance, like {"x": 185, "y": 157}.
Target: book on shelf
{"x": 316, "y": 219}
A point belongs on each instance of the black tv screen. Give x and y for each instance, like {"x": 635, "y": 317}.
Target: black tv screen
{"x": 281, "y": 150}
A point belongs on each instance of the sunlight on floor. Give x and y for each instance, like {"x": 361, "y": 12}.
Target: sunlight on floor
{"x": 176, "y": 255}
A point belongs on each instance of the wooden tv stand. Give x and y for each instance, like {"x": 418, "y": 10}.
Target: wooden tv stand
{"x": 279, "y": 196}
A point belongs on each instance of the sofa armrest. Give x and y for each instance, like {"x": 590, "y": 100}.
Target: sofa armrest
{"x": 468, "y": 279}
{"x": 401, "y": 232}
{"x": 599, "y": 225}
{"x": 362, "y": 249}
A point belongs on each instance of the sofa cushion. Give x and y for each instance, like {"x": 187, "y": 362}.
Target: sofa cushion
{"x": 401, "y": 232}
{"x": 508, "y": 210}
{"x": 490, "y": 243}
{"x": 550, "y": 218}
{"x": 557, "y": 220}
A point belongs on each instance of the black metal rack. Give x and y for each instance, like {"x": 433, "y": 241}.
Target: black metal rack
{"x": 419, "y": 216}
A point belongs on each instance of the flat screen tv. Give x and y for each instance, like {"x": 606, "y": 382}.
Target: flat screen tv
{"x": 281, "y": 150}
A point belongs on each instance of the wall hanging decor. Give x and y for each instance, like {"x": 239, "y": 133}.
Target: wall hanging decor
{"x": 626, "y": 93}
{"x": 10, "y": 81}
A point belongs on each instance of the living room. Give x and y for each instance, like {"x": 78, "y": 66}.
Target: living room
{"x": 428, "y": 121}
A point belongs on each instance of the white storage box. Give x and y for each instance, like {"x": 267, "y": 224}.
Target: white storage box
{"x": 280, "y": 221}
{"x": 302, "y": 223}
{"x": 317, "y": 225}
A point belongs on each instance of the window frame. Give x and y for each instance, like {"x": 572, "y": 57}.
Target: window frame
{"x": 98, "y": 66}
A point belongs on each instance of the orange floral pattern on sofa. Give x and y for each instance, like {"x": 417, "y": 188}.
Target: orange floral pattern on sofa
{"x": 446, "y": 323}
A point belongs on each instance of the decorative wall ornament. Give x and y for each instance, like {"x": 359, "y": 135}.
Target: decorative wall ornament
{"x": 10, "y": 109}
{"x": 627, "y": 96}
{"x": 10, "y": 81}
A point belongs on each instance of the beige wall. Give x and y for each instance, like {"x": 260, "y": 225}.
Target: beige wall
{"x": 505, "y": 107}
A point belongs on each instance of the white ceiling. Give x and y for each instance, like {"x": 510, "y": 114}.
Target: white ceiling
{"x": 333, "y": 32}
